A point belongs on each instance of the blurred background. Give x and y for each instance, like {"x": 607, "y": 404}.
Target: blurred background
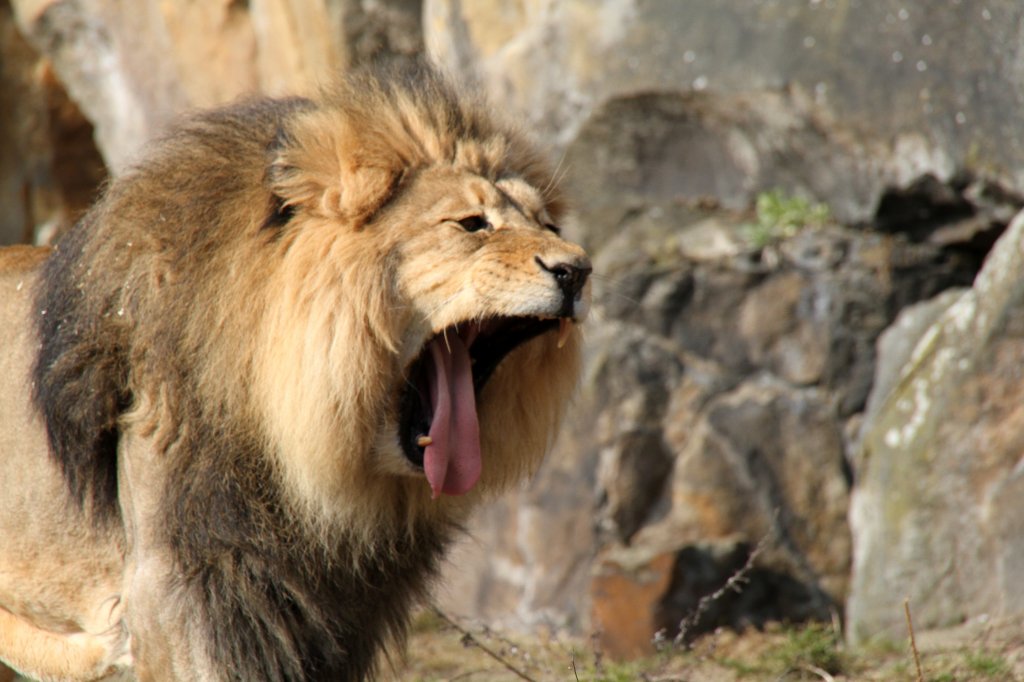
{"x": 805, "y": 359}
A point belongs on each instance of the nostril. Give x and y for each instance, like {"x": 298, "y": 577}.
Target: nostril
{"x": 563, "y": 272}
{"x": 570, "y": 276}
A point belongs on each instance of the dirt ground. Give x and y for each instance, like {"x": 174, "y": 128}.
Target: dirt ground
{"x": 444, "y": 650}
{"x": 449, "y": 651}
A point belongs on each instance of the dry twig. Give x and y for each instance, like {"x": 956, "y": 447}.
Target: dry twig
{"x": 469, "y": 638}
{"x": 913, "y": 644}
{"x": 733, "y": 584}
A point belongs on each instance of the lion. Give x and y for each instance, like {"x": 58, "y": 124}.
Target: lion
{"x": 251, "y": 397}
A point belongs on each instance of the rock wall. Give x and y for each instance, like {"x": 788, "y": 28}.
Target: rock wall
{"x": 880, "y": 77}
{"x": 734, "y": 399}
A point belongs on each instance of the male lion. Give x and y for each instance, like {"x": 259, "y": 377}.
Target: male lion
{"x": 271, "y": 372}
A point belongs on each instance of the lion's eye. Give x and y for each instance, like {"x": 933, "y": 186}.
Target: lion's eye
{"x": 554, "y": 228}
{"x": 474, "y": 223}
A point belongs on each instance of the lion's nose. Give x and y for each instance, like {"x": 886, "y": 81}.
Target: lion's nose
{"x": 571, "y": 276}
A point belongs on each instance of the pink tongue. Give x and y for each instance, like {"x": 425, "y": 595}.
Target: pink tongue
{"x": 452, "y": 460}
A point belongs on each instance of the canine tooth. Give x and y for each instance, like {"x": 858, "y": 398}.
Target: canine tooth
{"x": 424, "y": 441}
{"x": 564, "y": 329}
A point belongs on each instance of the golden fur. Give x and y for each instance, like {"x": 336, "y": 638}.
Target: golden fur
{"x": 224, "y": 344}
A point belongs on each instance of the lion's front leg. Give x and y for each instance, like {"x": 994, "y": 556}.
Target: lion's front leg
{"x": 165, "y": 643}
{"x": 164, "y": 639}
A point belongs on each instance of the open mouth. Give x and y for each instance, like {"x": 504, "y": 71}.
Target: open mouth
{"x": 438, "y": 426}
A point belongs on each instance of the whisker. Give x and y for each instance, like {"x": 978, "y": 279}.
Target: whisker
{"x": 440, "y": 305}
{"x": 561, "y": 170}
{"x": 611, "y": 287}
{"x": 623, "y": 297}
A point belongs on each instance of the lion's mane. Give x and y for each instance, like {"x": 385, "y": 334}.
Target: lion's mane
{"x": 224, "y": 303}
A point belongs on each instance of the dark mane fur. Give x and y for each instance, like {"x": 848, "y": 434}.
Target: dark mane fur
{"x": 276, "y": 605}
{"x": 80, "y": 379}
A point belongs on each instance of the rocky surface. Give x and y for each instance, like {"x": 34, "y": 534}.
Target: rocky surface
{"x": 734, "y": 399}
{"x": 132, "y": 66}
{"x": 876, "y": 74}
{"x": 720, "y": 399}
{"x": 937, "y": 511}
{"x": 726, "y": 383}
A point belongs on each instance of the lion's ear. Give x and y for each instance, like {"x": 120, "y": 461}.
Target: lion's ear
{"x": 320, "y": 165}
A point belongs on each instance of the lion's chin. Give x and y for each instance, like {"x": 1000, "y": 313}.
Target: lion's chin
{"x": 438, "y": 428}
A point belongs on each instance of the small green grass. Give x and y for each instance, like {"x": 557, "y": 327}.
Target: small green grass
{"x": 779, "y": 217}
{"x": 811, "y": 646}
{"x": 619, "y": 672}
{"x": 987, "y": 664}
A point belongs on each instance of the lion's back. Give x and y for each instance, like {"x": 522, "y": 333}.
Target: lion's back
{"x": 32, "y": 485}
{"x": 21, "y": 435}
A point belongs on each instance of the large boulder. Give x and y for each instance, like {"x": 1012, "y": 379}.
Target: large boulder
{"x": 936, "y": 514}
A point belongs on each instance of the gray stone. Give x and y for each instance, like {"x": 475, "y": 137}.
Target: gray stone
{"x": 759, "y": 465}
{"x": 895, "y": 349}
{"x": 936, "y": 515}
{"x": 691, "y": 147}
